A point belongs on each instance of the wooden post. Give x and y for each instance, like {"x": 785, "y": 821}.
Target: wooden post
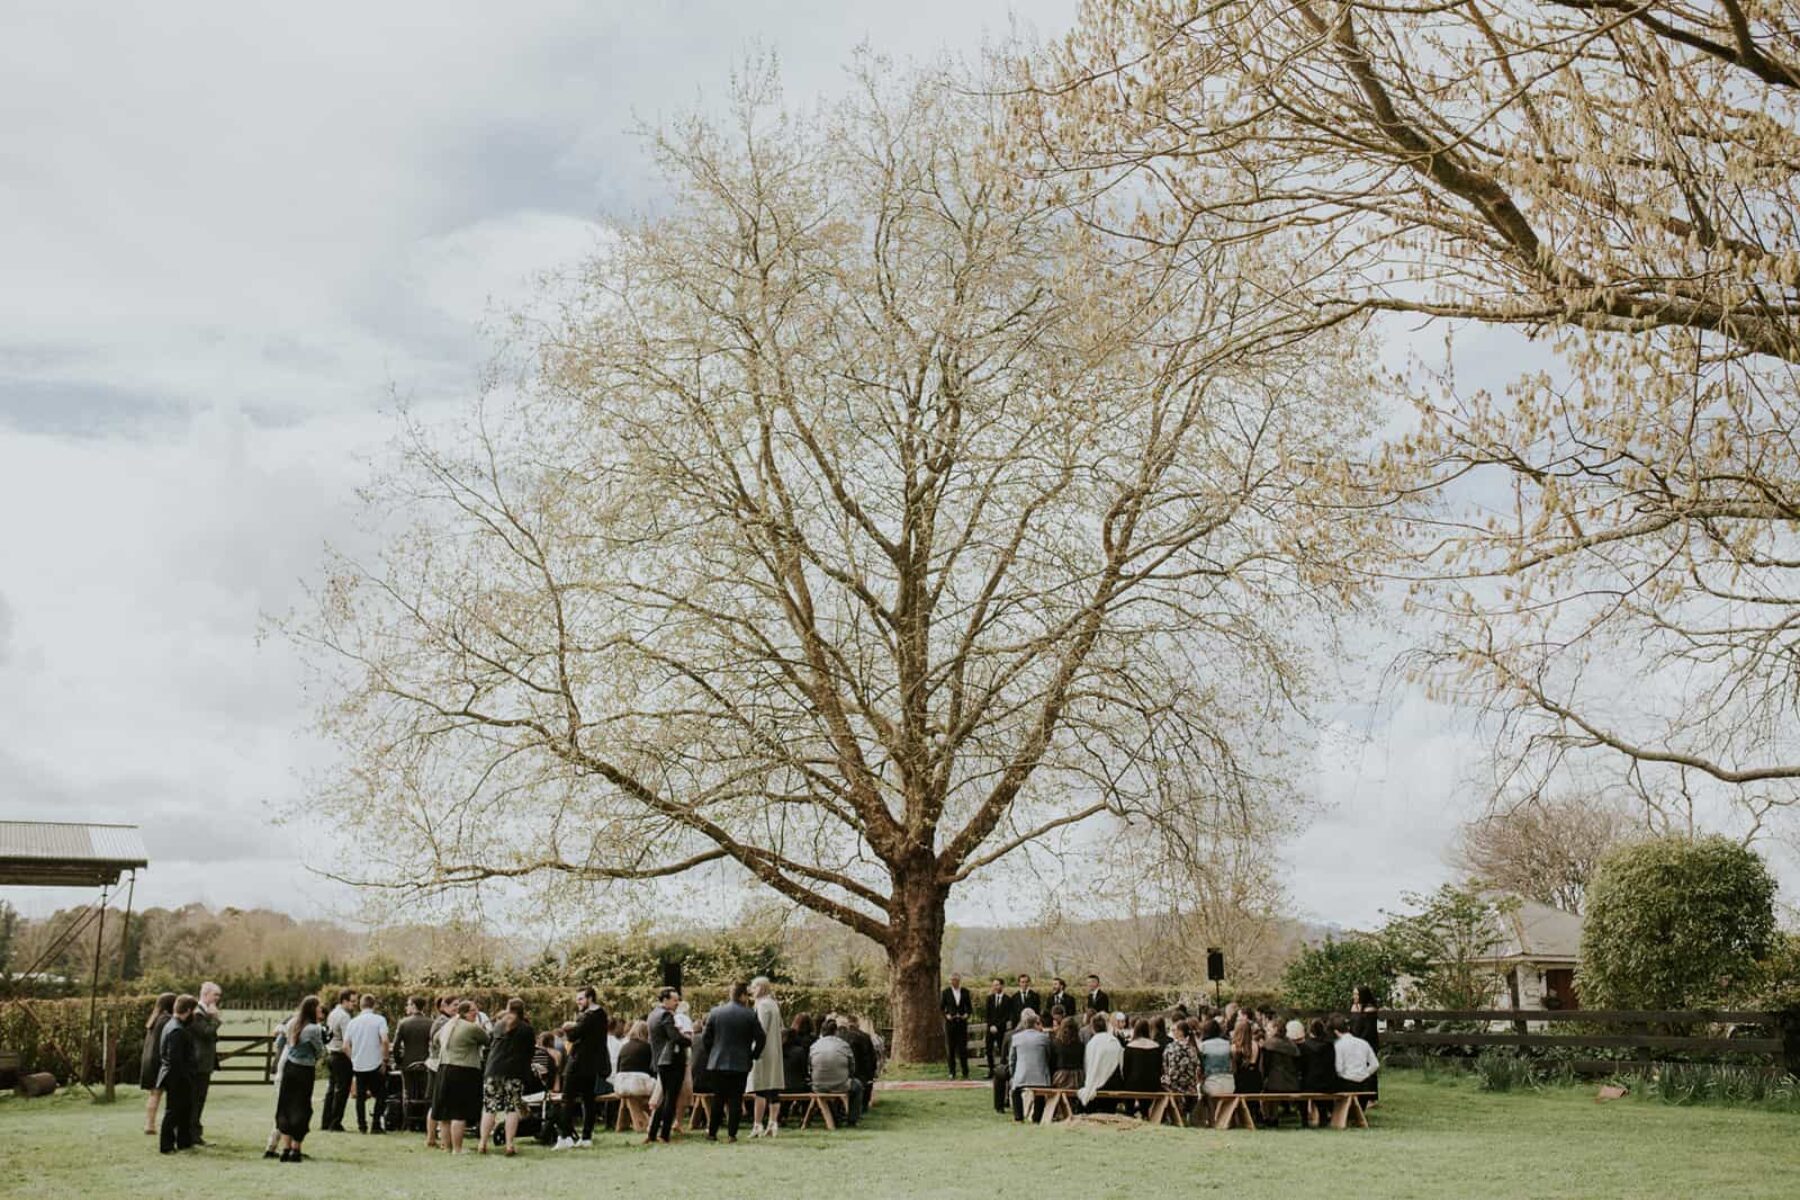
{"x": 109, "y": 1048}
{"x": 1512, "y": 987}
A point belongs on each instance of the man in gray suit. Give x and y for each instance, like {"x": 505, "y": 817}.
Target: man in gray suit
{"x": 668, "y": 1056}
{"x": 731, "y": 1043}
{"x": 1029, "y": 1063}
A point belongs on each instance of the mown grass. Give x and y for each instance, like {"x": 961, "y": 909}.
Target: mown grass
{"x": 1431, "y": 1138}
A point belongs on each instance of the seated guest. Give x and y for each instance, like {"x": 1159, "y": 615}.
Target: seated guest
{"x": 1216, "y": 1078}
{"x": 1181, "y": 1064}
{"x": 634, "y": 1075}
{"x": 1142, "y": 1068}
{"x": 832, "y": 1068}
{"x": 546, "y": 1062}
{"x": 1101, "y": 1063}
{"x": 1354, "y": 1060}
{"x": 867, "y": 1055}
{"x": 796, "y": 1053}
{"x": 1121, "y": 1027}
{"x": 1067, "y": 1055}
{"x": 699, "y": 1079}
{"x": 1028, "y": 1063}
{"x": 1159, "y": 1030}
{"x": 1003, "y": 1072}
{"x": 1281, "y": 1065}
{"x": 1246, "y": 1054}
{"x": 1318, "y": 1065}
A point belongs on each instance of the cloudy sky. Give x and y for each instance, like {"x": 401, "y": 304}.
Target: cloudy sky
{"x": 230, "y": 237}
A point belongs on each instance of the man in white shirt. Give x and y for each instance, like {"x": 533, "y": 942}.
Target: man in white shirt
{"x": 366, "y": 1039}
{"x": 1356, "y": 1060}
{"x": 337, "y": 1062}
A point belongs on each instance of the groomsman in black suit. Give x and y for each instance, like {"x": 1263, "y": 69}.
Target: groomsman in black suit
{"x": 1059, "y": 998}
{"x": 1097, "y": 999}
{"x": 1027, "y": 997}
{"x": 957, "y": 1005}
{"x": 998, "y": 1012}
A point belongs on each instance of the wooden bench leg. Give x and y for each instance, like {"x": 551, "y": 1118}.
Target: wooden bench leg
{"x": 1340, "y": 1112}
{"x": 1159, "y": 1110}
{"x": 1247, "y": 1118}
{"x": 826, "y": 1114}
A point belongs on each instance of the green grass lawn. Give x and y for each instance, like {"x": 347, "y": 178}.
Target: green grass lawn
{"x": 1430, "y": 1139}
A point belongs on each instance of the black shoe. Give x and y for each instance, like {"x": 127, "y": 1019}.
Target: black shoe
{"x": 200, "y": 1141}
{"x": 271, "y": 1154}
{"x": 377, "y": 1129}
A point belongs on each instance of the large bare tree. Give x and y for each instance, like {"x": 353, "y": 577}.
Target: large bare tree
{"x": 1617, "y": 572}
{"x": 865, "y": 519}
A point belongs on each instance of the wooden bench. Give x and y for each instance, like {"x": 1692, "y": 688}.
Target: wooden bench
{"x": 1346, "y": 1107}
{"x": 1058, "y": 1101}
{"x": 809, "y": 1104}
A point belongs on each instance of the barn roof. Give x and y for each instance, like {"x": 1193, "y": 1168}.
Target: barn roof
{"x": 67, "y": 853}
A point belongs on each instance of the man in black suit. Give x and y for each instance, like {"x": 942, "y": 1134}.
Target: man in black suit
{"x": 203, "y": 1028}
{"x": 588, "y": 1062}
{"x": 1059, "y": 998}
{"x": 957, "y": 1005}
{"x": 177, "y": 1071}
{"x": 862, "y": 1049}
{"x": 730, "y": 1044}
{"x": 1097, "y": 999}
{"x": 997, "y": 1013}
{"x": 1026, "y": 997}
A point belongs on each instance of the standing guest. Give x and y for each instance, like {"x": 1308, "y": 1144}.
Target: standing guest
{"x": 957, "y": 1005}
{"x": 588, "y": 1062}
{"x": 412, "y": 1054}
{"x": 1353, "y": 1058}
{"x": 510, "y": 1045}
{"x": 1363, "y": 1024}
{"x": 1142, "y": 1068}
{"x": 699, "y": 1078}
{"x": 796, "y": 1054}
{"x": 337, "y": 1062}
{"x": 203, "y": 1027}
{"x": 1246, "y": 1055}
{"x": 1097, "y": 999}
{"x": 459, "y": 1075}
{"x": 1068, "y": 1057}
{"x": 1027, "y": 997}
{"x": 1181, "y": 1065}
{"x": 1102, "y": 1059}
{"x": 998, "y": 1014}
{"x": 768, "y": 1074}
{"x": 177, "y": 1072}
{"x": 1318, "y": 1067}
{"x": 1216, "y": 1077}
{"x": 1059, "y": 998}
{"x": 832, "y": 1067}
{"x": 297, "y": 1070}
{"x": 1028, "y": 1064}
{"x": 366, "y": 1042}
{"x": 446, "y": 1012}
{"x": 868, "y": 1058}
{"x": 732, "y": 1043}
{"x": 150, "y": 1065}
{"x": 668, "y": 1054}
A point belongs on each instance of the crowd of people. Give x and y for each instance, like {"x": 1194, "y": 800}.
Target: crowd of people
{"x": 467, "y": 1075}
{"x": 1214, "y": 1052}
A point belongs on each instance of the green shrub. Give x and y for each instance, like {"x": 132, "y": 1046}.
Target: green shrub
{"x": 1323, "y": 976}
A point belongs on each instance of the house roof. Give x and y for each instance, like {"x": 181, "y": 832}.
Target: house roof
{"x": 1534, "y": 932}
{"x": 67, "y": 853}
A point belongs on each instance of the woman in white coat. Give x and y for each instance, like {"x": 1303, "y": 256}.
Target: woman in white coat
{"x": 768, "y": 1077}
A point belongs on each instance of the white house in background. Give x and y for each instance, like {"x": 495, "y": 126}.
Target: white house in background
{"x": 1536, "y": 956}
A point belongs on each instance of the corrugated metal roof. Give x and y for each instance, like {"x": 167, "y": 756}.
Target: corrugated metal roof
{"x": 71, "y": 842}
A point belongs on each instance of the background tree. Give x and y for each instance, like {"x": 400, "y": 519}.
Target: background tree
{"x": 1614, "y": 180}
{"x": 867, "y": 519}
{"x": 9, "y": 928}
{"x": 1544, "y": 848}
{"x": 1325, "y": 976}
{"x": 1446, "y": 945}
{"x": 1675, "y": 923}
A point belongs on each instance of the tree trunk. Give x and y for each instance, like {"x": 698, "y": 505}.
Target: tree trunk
{"x": 915, "y": 955}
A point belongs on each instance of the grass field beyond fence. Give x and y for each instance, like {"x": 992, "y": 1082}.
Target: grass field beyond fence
{"x": 1431, "y": 1138}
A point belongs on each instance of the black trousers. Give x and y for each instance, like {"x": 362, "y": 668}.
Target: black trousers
{"x": 178, "y": 1115}
{"x": 1018, "y": 1102}
{"x": 663, "y": 1119}
{"x": 337, "y": 1092}
{"x": 956, "y": 1044}
{"x": 578, "y": 1092}
{"x": 202, "y": 1086}
{"x": 993, "y": 1047}
{"x": 370, "y": 1085}
{"x": 728, "y": 1101}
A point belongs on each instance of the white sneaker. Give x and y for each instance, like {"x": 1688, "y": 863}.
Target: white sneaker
{"x": 773, "y": 1128}
{"x": 563, "y": 1143}
{"x": 585, "y": 1144}
{"x": 756, "y": 1131}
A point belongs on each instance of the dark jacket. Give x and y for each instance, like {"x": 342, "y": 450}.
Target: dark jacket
{"x": 1056, "y": 1000}
{"x": 635, "y": 1055}
{"x": 863, "y": 1047}
{"x": 796, "y": 1060}
{"x": 1142, "y": 1069}
{"x": 668, "y": 1045}
{"x": 1281, "y": 1065}
{"x": 998, "y": 1012}
{"x": 588, "y": 1056}
{"x": 733, "y": 1038}
{"x": 509, "y": 1052}
{"x": 1318, "y": 1066}
{"x": 412, "y": 1040}
{"x": 203, "y": 1028}
{"x": 178, "y": 1067}
{"x": 956, "y": 1008}
{"x": 1098, "y": 1001}
{"x": 1033, "y": 999}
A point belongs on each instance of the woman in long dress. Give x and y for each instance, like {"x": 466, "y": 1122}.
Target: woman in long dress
{"x": 768, "y": 1074}
{"x": 299, "y": 1065}
{"x": 152, "y": 1056}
